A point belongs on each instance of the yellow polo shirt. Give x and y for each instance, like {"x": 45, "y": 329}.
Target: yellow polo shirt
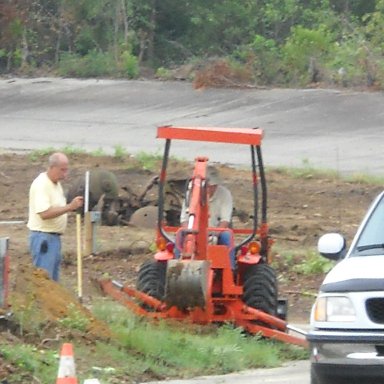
{"x": 44, "y": 194}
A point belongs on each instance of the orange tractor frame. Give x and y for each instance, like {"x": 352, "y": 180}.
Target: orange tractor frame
{"x": 199, "y": 283}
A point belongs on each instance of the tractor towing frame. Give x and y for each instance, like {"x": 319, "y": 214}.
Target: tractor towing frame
{"x": 198, "y": 283}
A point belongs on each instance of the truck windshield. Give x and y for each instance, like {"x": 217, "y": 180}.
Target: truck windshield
{"x": 371, "y": 240}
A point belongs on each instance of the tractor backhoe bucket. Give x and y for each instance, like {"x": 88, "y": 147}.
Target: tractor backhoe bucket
{"x": 187, "y": 283}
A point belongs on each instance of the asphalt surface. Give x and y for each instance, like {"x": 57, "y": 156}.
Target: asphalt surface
{"x": 293, "y": 373}
{"x": 330, "y": 129}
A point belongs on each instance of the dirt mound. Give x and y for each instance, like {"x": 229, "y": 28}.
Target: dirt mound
{"x": 220, "y": 73}
{"x": 51, "y": 305}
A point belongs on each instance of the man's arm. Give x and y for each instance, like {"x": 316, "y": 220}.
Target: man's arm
{"x": 224, "y": 224}
{"x": 53, "y": 212}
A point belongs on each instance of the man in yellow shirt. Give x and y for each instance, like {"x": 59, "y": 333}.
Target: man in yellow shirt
{"x": 48, "y": 211}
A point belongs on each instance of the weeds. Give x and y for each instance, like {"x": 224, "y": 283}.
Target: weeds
{"x": 309, "y": 171}
{"x": 304, "y": 262}
{"x": 38, "y": 153}
{"x": 120, "y": 152}
{"x": 313, "y": 264}
{"x": 68, "y": 150}
{"x": 223, "y": 349}
{"x": 98, "y": 152}
{"x": 30, "y": 361}
{"x": 148, "y": 160}
{"x": 75, "y": 319}
{"x": 25, "y": 318}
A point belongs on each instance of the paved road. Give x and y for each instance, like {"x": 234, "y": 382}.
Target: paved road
{"x": 341, "y": 130}
{"x": 293, "y": 373}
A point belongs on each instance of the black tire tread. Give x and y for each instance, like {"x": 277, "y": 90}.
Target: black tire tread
{"x": 260, "y": 288}
{"x": 151, "y": 279}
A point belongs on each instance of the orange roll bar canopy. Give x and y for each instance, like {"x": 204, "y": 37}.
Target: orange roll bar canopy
{"x": 250, "y": 136}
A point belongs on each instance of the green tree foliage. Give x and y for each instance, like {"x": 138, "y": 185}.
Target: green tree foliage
{"x": 280, "y": 42}
{"x": 305, "y": 52}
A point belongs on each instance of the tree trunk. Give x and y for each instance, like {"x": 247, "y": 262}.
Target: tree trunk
{"x": 125, "y": 22}
{"x": 151, "y": 33}
{"x": 24, "y": 49}
{"x": 116, "y": 32}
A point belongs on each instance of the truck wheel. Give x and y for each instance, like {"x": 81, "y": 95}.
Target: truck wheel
{"x": 151, "y": 279}
{"x": 260, "y": 288}
{"x": 314, "y": 377}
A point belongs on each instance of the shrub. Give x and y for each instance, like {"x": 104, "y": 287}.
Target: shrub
{"x": 222, "y": 73}
{"x": 93, "y": 64}
{"x": 356, "y": 62}
{"x": 305, "y": 52}
{"x": 130, "y": 65}
{"x": 262, "y": 56}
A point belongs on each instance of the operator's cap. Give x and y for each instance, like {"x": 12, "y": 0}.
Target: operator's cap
{"x": 213, "y": 176}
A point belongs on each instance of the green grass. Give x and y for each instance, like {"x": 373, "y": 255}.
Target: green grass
{"x": 303, "y": 261}
{"x": 30, "y": 362}
{"x": 44, "y": 152}
{"x": 75, "y": 319}
{"x": 141, "y": 346}
{"x": 149, "y": 161}
{"x": 98, "y": 152}
{"x": 308, "y": 171}
{"x": 146, "y": 160}
{"x": 194, "y": 350}
{"x": 120, "y": 152}
{"x": 313, "y": 264}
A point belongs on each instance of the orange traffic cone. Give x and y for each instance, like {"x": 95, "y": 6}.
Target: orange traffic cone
{"x": 67, "y": 370}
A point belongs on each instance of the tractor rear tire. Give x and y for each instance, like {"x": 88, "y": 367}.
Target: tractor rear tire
{"x": 151, "y": 278}
{"x": 260, "y": 288}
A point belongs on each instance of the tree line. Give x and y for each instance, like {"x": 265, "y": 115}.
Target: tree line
{"x": 264, "y": 42}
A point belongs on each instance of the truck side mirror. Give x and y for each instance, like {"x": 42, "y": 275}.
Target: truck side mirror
{"x": 333, "y": 246}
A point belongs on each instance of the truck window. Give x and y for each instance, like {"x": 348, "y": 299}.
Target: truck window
{"x": 373, "y": 231}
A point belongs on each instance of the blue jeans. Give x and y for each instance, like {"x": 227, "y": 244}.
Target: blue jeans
{"x": 223, "y": 239}
{"x": 45, "y": 249}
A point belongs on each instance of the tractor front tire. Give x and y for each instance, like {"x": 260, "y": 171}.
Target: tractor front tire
{"x": 151, "y": 278}
{"x": 260, "y": 288}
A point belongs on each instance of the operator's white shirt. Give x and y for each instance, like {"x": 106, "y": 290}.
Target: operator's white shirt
{"x": 44, "y": 194}
{"x": 220, "y": 207}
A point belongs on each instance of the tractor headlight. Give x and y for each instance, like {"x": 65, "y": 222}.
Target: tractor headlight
{"x": 334, "y": 309}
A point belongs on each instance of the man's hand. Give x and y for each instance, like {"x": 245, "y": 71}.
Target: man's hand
{"x": 76, "y": 203}
{"x": 213, "y": 238}
{"x": 53, "y": 212}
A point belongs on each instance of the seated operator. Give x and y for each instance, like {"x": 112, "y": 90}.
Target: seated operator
{"x": 220, "y": 211}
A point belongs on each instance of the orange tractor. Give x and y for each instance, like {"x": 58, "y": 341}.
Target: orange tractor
{"x": 198, "y": 283}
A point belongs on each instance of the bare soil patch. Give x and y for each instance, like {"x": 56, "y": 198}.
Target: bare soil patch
{"x": 300, "y": 209}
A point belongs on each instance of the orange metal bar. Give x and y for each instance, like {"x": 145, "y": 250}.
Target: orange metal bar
{"x": 110, "y": 289}
{"x": 272, "y": 333}
{"x": 241, "y": 231}
{"x": 251, "y": 136}
{"x": 266, "y": 318}
{"x": 151, "y": 301}
{"x": 195, "y": 243}
{"x": 125, "y": 294}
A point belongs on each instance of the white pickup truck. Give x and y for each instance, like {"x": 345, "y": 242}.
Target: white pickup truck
{"x": 346, "y": 334}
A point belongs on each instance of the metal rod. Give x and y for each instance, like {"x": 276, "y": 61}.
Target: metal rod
{"x": 86, "y": 193}
{"x": 297, "y": 330}
{"x": 161, "y": 191}
{"x": 10, "y": 222}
